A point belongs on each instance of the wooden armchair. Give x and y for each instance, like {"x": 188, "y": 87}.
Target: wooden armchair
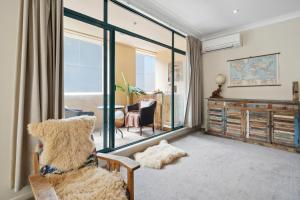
{"x": 43, "y": 190}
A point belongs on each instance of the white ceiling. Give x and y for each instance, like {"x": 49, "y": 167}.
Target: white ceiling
{"x": 207, "y": 18}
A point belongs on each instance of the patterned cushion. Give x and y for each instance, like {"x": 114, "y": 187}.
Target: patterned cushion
{"x": 145, "y": 103}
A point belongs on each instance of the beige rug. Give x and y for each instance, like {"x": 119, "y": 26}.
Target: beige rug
{"x": 159, "y": 155}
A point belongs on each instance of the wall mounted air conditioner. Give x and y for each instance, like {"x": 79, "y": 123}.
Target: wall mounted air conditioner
{"x": 224, "y": 42}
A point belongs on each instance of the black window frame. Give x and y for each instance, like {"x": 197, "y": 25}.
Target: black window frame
{"x": 108, "y": 114}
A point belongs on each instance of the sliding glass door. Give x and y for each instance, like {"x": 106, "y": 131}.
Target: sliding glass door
{"x": 116, "y": 57}
{"x": 143, "y": 94}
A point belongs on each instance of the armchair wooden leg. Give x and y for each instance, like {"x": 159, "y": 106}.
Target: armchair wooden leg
{"x": 141, "y": 130}
{"x": 130, "y": 183}
{"x": 128, "y": 128}
{"x": 153, "y": 128}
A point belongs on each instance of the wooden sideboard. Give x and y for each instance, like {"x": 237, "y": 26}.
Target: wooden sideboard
{"x": 271, "y": 122}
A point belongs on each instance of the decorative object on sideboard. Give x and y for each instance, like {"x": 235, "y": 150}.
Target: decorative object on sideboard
{"x": 262, "y": 70}
{"x": 295, "y": 91}
{"x": 220, "y": 80}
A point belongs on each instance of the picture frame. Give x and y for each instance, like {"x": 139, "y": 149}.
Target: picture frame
{"x": 262, "y": 70}
{"x": 178, "y": 70}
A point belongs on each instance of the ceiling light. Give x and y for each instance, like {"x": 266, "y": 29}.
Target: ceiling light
{"x": 235, "y": 11}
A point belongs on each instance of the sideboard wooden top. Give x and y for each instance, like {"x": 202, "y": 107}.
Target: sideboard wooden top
{"x": 255, "y": 101}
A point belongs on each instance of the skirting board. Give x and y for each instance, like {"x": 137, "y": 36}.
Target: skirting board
{"x": 128, "y": 151}
{"x": 24, "y": 194}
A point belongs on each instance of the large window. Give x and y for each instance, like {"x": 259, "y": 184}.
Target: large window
{"x": 145, "y": 71}
{"x": 116, "y": 56}
{"x": 82, "y": 66}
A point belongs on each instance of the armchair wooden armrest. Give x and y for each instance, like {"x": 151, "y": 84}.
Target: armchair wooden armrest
{"x": 115, "y": 162}
{"x": 121, "y": 160}
{"x": 41, "y": 188}
{"x": 36, "y": 163}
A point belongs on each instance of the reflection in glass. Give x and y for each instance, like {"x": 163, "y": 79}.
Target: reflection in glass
{"x": 180, "y": 89}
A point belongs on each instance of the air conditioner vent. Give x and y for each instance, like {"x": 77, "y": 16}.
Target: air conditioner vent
{"x": 228, "y": 41}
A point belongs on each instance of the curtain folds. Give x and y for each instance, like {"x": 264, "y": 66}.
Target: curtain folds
{"x": 193, "y": 114}
{"x": 40, "y": 77}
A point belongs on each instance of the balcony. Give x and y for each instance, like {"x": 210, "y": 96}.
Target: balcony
{"x": 90, "y": 103}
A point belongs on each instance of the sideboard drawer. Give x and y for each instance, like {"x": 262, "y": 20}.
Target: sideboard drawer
{"x": 216, "y": 119}
{"x": 258, "y": 126}
{"x": 257, "y": 105}
{"x": 234, "y": 104}
{"x": 218, "y": 104}
{"x": 285, "y": 107}
{"x": 283, "y": 128}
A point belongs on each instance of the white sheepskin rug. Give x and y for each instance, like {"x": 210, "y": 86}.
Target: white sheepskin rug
{"x": 89, "y": 183}
{"x": 159, "y": 155}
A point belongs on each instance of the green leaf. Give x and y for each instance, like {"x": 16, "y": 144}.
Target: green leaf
{"x": 136, "y": 90}
{"x": 120, "y": 88}
{"x": 129, "y": 89}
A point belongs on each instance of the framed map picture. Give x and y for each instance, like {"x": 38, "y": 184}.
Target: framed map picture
{"x": 254, "y": 71}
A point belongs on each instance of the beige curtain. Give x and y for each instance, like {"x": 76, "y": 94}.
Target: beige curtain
{"x": 40, "y": 78}
{"x": 193, "y": 114}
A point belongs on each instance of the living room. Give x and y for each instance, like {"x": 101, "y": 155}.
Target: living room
{"x": 178, "y": 99}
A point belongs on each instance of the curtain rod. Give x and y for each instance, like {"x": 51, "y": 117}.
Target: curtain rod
{"x": 254, "y": 56}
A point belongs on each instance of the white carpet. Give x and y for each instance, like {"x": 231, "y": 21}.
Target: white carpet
{"x": 222, "y": 169}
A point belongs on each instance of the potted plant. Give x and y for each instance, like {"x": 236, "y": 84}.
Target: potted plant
{"x": 129, "y": 90}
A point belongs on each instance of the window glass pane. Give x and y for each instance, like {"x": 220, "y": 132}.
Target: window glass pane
{"x": 83, "y": 73}
{"x": 82, "y": 65}
{"x": 125, "y": 19}
{"x": 180, "y": 89}
{"x": 83, "y": 51}
{"x": 179, "y": 42}
{"x": 145, "y": 72}
{"x": 92, "y": 8}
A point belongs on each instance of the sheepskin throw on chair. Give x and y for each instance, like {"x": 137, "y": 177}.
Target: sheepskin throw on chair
{"x": 67, "y": 164}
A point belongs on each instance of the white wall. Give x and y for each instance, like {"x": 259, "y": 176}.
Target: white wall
{"x": 282, "y": 37}
{"x": 163, "y": 59}
{"x": 9, "y": 14}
